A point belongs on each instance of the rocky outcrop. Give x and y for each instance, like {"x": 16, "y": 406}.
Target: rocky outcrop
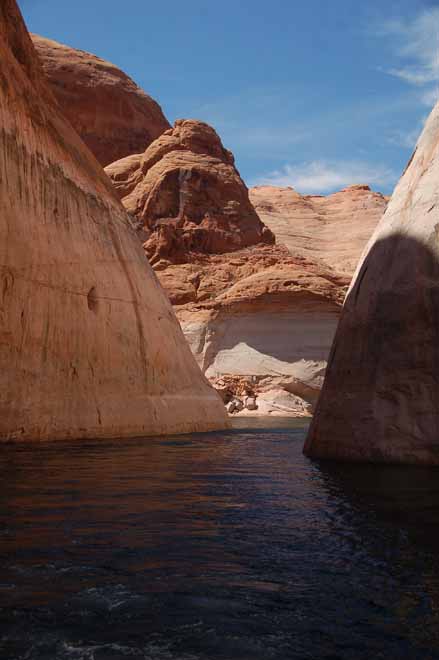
{"x": 332, "y": 229}
{"x": 187, "y": 196}
{"x": 110, "y": 112}
{"x": 250, "y": 310}
{"x": 380, "y": 400}
{"x": 89, "y": 344}
{"x": 262, "y": 318}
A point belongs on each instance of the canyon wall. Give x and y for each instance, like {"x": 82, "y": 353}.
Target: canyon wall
{"x": 113, "y": 116}
{"x": 380, "y": 400}
{"x": 259, "y": 319}
{"x": 89, "y": 344}
{"x": 331, "y": 229}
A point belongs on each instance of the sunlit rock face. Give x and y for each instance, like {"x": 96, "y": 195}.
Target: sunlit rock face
{"x": 332, "y": 229}
{"x": 113, "y": 116}
{"x": 380, "y": 400}
{"x": 89, "y": 344}
{"x": 188, "y": 196}
{"x": 250, "y": 310}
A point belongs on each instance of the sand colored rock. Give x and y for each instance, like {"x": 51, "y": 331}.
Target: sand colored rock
{"x": 251, "y": 311}
{"x": 114, "y": 117}
{"x": 260, "y": 315}
{"x": 89, "y": 344}
{"x": 187, "y": 195}
{"x": 332, "y": 229}
{"x": 380, "y": 400}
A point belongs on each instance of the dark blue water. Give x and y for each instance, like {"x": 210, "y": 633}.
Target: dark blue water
{"x": 226, "y": 546}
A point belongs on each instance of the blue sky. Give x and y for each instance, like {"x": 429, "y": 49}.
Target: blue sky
{"x": 308, "y": 93}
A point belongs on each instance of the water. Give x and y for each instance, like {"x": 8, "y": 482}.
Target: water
{"x": 228, "y": 546}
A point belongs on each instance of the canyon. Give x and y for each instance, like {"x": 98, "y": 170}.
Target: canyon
{"x": 258, "y": 306}
{"x": 380, "y": 400}
{"x": 257, "y": 277}
{"x": 89, "y": 343}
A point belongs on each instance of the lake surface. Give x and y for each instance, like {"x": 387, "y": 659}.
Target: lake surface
{"x": 229, "y": 546}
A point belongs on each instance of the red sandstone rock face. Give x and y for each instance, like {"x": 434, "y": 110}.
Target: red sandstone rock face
{"x": 187, "y": 195}
{"x": 89, "y": 344}
{"x": 110, "y": 112}
{"x": 251, "y": 311}
{"x": 332, "y": 229}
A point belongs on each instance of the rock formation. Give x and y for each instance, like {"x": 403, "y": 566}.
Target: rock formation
{"x": 260, "y": 323}
{"x": 112, "y": 115}
{"x": 89, "y": 344}
{"x": 259, "y": 320}
{"x": 332, "y": 229}
{"x": 380, "y": 401}
{"x": 187, "y": 196}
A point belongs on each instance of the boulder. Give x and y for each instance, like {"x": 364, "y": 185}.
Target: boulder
{"x": 250, "y": 403}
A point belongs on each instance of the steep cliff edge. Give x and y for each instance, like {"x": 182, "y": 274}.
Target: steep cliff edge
{"x": 89, "y": 344}
{"x": 107, "y": 109}
{"x": 380, "y": 400}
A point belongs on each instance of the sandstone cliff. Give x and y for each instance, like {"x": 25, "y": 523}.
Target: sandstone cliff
{"x": 258, "y": 319}
{"x": 332, "y": 229}
{"x": 112, "y": 115}
{"x": 260, "y": 323}
{"x": 89, "y": 344}
{"x": 380, "y": 400}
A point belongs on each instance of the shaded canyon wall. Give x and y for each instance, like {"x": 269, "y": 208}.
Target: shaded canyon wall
{"x": 380, "y": 400}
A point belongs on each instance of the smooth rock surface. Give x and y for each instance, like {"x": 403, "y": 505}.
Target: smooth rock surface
{"x": 260, "y": 314}
{"x": 332, "y": 229}
{"x": 89, "y": 344}
{"x": 114, "y": 117}
{"x": 380, "y": 400}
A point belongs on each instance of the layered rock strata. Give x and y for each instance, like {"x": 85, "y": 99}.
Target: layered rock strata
{"x": 89, "y": 344}
{"x": 110, "y": 112}
{"x": 331, "y": 229}
{"x": 258, "y": 320}
{"x": 249, "y": 309}
{"x": 260, "y": 325}
{"x": 380, "y": 401}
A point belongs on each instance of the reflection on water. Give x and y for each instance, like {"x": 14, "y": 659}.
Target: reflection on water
{"x": 226, "y": 545}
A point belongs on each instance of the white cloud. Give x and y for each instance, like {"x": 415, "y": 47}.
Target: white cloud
{"x": 321, "y": 176}
{"x": 416, "y": 44}
{"x": 430, "y": 97}
{"x": 407, "y": 138}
